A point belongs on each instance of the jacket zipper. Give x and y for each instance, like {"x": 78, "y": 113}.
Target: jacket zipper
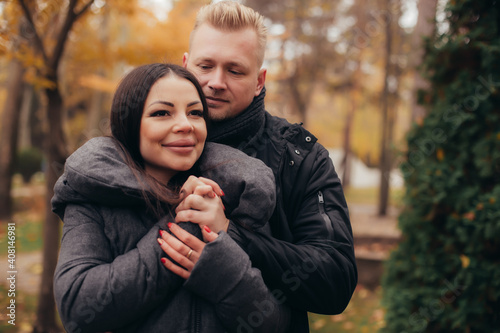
{"x": 197, "y": 316}
{"x": 326, "y": 218}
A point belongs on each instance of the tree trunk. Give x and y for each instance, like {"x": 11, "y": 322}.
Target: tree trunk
{"x": 426, "y": 25}
{"x": 385, "y": 156}
{"x": 389, "y": 103}
{"x": 56, "y": 156}
{"x": 27, "y": 107}
{"x": 347, "y": 159}
{"x": 37, "y": 123}
{"x": 9, "y": 135}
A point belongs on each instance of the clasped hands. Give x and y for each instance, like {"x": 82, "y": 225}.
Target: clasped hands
{"x": 201, "y": 204}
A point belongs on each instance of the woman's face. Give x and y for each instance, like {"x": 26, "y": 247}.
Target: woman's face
{"x": 173, "y": 130}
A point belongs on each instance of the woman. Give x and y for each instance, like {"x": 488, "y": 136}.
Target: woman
{"x": 114, "y": 272}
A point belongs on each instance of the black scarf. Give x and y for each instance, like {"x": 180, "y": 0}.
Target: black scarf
{"x": 241, "y": 128}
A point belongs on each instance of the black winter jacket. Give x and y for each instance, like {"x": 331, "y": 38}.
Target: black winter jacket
{"x": 309, "y": 262}
{"x": 109, "y": 276}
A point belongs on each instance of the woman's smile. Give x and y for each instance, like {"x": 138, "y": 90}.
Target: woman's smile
{"x": 181, "y": 146}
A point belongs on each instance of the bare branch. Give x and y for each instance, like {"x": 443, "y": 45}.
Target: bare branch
{"x": 84, "y": 9}
{"x": 38, "y": 40}
{"x": 71, "y": 18}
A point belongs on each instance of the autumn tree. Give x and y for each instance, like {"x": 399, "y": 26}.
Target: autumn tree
{"x": 304, "y": 52}
{"x": 10, "y": 118}
{"x": 50, "y": 49}
{"x": 443, "y": 277}
{"x": 359, "y": 43}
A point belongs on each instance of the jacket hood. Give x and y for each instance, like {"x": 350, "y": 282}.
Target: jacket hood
{"x": 96, "y": 173}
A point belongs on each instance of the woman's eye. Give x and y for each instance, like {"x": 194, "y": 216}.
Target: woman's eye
{"x": 196, "y": 113}
{"x": 162, "y": 113}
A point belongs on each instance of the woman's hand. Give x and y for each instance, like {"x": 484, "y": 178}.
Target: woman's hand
{"x": 202, "y": 205}
{"x": 185, "y": 249}
{"x": 192, "y": 182}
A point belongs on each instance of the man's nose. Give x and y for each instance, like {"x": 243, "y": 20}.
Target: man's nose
{"x": 217, "y": 80}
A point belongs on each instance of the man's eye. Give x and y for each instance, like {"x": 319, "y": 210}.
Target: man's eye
{"x": 162, "y": 113}
{"x": 235, "y": 72}
{"x": 204, "y": 66}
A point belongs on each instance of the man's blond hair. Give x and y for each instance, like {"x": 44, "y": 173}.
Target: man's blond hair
{"x": 232, "y": 16}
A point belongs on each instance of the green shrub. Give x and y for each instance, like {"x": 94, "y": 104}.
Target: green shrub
{"x": 29, "y": 161}
{"x": 445, "y": 274}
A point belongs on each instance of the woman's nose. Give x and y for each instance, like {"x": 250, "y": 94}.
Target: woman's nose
{"x": 182, "y": 124}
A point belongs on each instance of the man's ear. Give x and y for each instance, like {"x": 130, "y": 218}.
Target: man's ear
{"x": 185, "y": 57}
{"x": 261, "y": 80}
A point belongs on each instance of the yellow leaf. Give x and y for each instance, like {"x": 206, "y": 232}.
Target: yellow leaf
{"x": 492, "y": 200}
{"x": 98, "y": 83}
{"x": 349, "y": 325}
{"x": 470, "y": 216}
{"x": 25, "y": 327}
{"x": 319, "y": 324}
{"x": 440, "y": 154}
{"x": 465, "y": 260}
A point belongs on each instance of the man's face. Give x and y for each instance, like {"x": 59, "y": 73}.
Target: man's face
{"x": 226, "y": 65}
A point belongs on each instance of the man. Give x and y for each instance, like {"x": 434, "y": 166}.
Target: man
{"x": 309, "y": 262}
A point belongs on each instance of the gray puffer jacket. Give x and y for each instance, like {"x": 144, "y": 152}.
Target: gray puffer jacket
{"x": 109, "y": 276}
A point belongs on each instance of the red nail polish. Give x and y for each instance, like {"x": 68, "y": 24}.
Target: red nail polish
{"x": 163, "y": 260}
{"x": 207, "y": 229}
{"x": 222, "y": 193}
{"x": 223, "y": 207}
{"x": 169, "y": 224}
{"x": 161, "y": 232}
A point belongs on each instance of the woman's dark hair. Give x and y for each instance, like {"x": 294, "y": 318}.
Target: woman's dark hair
{"x": 125, "y": 122}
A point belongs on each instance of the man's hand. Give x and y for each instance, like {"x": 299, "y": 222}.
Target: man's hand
{"x": 202, "y": 205}
{"x": 192, "y": 182}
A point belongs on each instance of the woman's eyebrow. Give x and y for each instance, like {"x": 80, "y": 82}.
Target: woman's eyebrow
{"x": 162, "y": 102}
{"x": 194, "y": 103}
